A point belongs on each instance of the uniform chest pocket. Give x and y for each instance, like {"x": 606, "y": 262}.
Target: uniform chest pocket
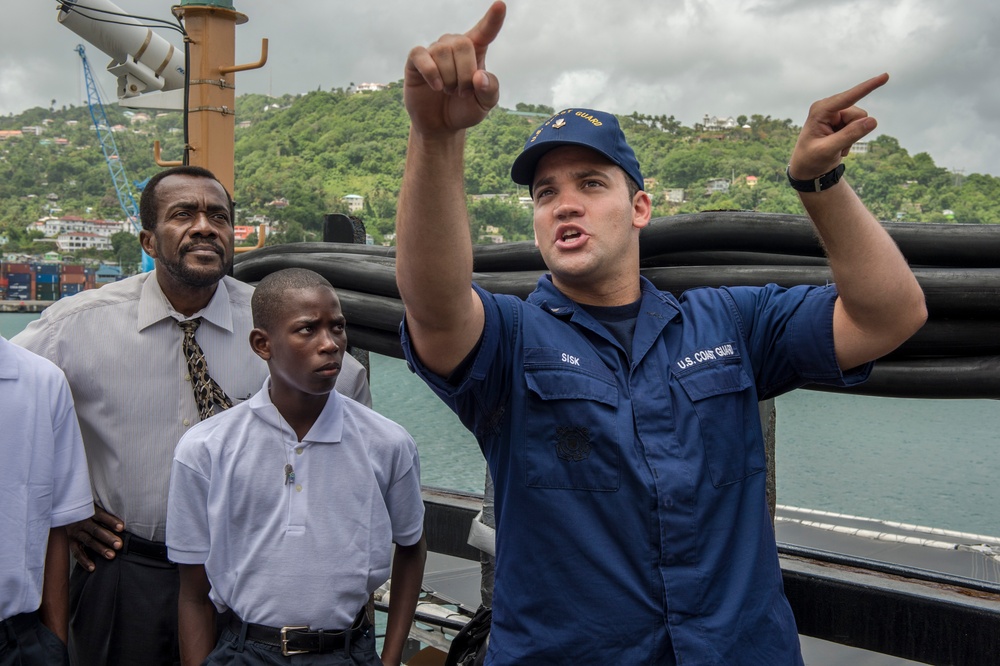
{"x": 727, "y": 417}
{"x": 571, "y": 430}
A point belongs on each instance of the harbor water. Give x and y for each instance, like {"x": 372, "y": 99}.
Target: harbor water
{"x": 927, "y": 462}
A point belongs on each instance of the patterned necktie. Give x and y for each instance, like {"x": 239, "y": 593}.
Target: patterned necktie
{"x": 207, "y": 392}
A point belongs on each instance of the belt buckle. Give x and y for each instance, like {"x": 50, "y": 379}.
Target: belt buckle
{"x": 284, "y": 641}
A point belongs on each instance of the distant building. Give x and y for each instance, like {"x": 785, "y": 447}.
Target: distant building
{"x": 717, "y": 185}
{"x": 675, "y": 195}
{"x": 717, "y": 123}
{"x": 751, "y": 181}
{"x": 280, "y": 202}
{"x": 106, "y": 274}
{"x": 370, "y": 87}
{"x": 10, "y": 134}
{"x": 355, "y": 202}
{"x": 82, "y": 240}
{"x": 859, "y": 147}
{"x": 53, "y": 226}
{"x": 253, "y": 225}
{"x": 256, "y": 220}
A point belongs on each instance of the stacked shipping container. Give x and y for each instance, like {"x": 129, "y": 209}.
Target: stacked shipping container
{"x": 20, "y": 282}
{"x": 44, "y": 282}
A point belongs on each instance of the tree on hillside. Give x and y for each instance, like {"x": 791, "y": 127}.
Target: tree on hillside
{"x": 126, "y": 248}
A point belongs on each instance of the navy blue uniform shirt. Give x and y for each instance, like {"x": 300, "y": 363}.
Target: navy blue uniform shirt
{"x": 632, "y": 523}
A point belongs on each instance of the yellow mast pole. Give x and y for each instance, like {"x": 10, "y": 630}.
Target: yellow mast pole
{"x": 211, "y": 97}
{"x": 211, "y": 90}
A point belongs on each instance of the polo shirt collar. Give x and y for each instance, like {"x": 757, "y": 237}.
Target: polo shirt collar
{"x": 329, "y": 425}
{"x": 154, "y": 306}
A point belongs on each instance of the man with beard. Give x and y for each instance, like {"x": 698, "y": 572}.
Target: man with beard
{"x": 123, "y": 350}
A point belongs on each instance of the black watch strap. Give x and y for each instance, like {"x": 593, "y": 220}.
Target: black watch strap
{"x": 824, "y": 182}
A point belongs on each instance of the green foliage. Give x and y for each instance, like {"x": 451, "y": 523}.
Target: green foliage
{"x": 506, "y": 215}
{"x": 126, "y": 248}
{"x": 311, "y": 150}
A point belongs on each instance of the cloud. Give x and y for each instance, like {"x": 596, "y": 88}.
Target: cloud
{"x": 686, "y": 59}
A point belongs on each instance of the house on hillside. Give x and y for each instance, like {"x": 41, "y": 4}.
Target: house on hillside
{"x": 717, "y": 123}
{"x": 369, "y": 87}
{"x": 82, "y": 240}
{"x": 717, "y": 185}
{"x": 53, "y": 226}
{"x": 355, "y": 202}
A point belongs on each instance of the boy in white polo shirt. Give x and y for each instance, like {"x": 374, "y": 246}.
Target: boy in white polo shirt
{"x": 44, "y": 485}
{"x": 285, "y": 507}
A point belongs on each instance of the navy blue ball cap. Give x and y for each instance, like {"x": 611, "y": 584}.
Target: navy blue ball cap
{"x": 592, "y": 129}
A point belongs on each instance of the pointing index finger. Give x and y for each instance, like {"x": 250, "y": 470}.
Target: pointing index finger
{"x": 850, "y": 97}
{"x": 483, "y": 33}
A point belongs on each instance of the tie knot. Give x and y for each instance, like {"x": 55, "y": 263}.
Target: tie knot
{"x": 190, "y": 326}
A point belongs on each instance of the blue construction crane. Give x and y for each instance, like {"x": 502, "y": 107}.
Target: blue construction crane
{"x": 111, "y": 155}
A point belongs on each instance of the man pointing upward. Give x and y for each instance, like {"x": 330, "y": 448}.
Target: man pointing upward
{"x": 632, "y": 524}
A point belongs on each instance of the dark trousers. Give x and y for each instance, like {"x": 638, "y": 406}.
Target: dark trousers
{"x": 25, "y": 641}
{"x": 125, "y": 612}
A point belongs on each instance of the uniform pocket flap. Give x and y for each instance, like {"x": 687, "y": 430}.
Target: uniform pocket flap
{"x": 555, "y": 375}
{"x": 716, "y": 379}
{"x": 560, "y": 384}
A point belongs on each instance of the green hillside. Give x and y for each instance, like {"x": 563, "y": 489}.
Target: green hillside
{"x": 311, "y": 150}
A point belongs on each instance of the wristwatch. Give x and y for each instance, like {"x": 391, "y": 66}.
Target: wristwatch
{"x": 824, "y": 182}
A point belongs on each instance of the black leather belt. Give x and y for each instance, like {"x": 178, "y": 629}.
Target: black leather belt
{"x": 300, "y": 640}
{"x": 154, "y": 550}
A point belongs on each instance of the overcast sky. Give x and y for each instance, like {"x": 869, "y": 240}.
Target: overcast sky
{"x": 686, "y": 59}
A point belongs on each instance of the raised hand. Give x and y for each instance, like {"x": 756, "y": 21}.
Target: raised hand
{"x": 446, "y": 87}
{"x": 834, "y": 124}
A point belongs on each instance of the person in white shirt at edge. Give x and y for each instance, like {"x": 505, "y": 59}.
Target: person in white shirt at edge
{"x": 285, "y": 508}
{"x": 120, "y": 347}
{"x": 44, "y": 485}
